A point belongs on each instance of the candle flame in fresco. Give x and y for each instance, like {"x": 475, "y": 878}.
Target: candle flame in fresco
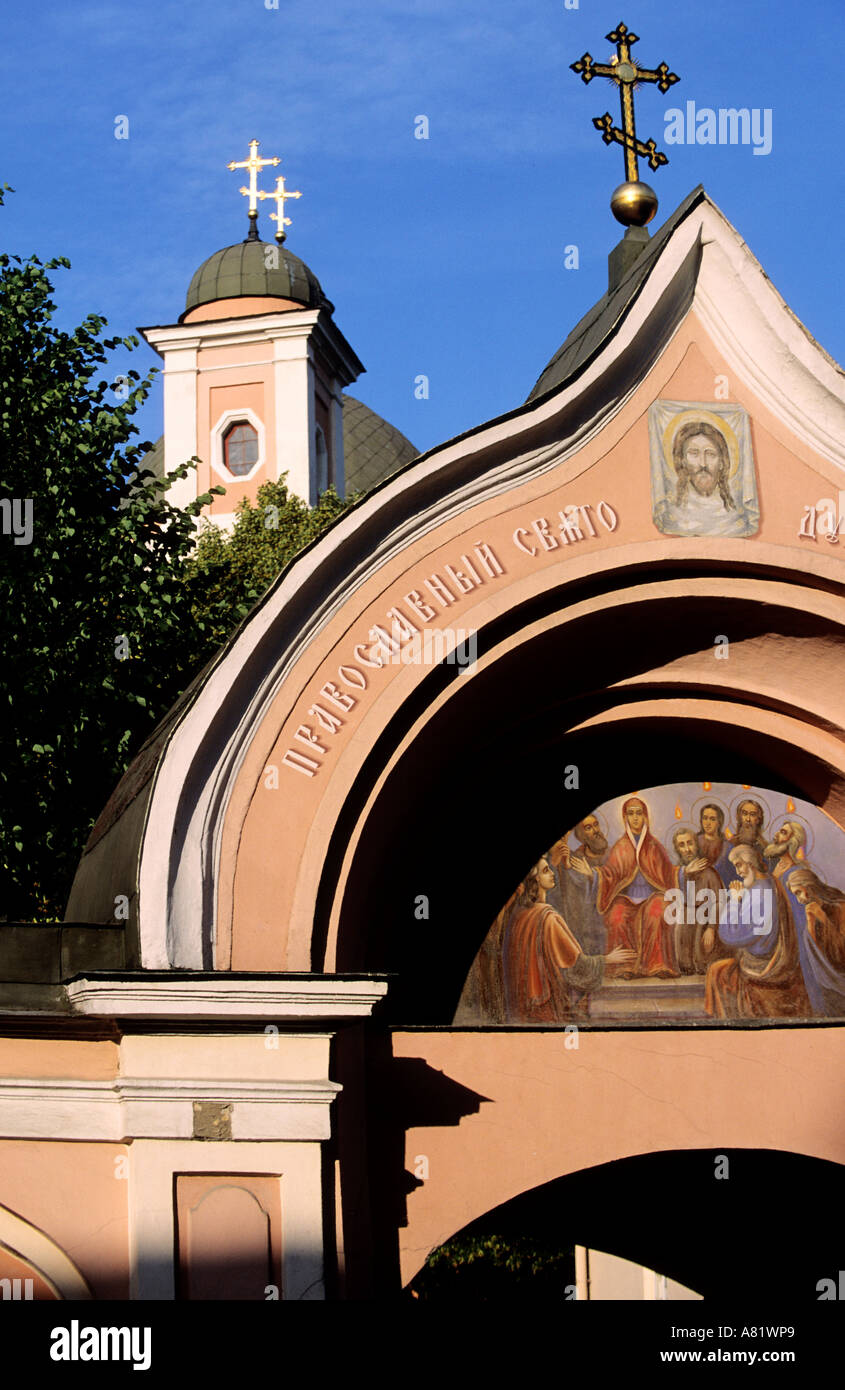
{"x": 708, "y": 786}
{"x": 790, "y": 805}
{"x": 678, "y": 812}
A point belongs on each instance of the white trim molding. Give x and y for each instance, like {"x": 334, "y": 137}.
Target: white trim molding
{"x": 127, "y": 1108}
{"x": 306, "y": 997}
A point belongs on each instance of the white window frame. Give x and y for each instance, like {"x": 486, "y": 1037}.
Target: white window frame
{"x": 242, "y": 416}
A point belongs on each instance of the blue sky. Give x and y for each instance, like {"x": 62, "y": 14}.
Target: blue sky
{"x": 442, "y": 256}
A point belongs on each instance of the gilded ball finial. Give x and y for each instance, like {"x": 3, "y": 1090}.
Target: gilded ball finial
{"x": 633, "y": 204}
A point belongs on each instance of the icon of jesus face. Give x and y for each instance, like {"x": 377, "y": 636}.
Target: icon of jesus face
{"x": 702, "y": 463}
{"x": 702, "y": 460}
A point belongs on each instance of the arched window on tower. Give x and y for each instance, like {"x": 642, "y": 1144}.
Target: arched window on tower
{"x": 240, "y": 448}
{"x": 322, "y": 470}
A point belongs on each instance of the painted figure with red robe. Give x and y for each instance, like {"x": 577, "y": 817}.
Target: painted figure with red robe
{"x": 545, "y": 970}
{"x": 631, "y": 885}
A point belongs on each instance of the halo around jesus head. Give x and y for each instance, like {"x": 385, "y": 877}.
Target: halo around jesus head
{"x": 704, "y": 417}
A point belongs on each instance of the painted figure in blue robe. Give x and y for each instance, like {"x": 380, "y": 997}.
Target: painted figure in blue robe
{"x": 820, "y": 916}
{"x": 764, "y": 979}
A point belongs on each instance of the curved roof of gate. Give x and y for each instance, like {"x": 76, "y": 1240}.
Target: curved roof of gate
{"x": 604, "y": 318}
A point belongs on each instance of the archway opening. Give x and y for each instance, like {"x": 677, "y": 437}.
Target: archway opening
{"x": 460, "y": 816}
{"x": 732, "y": 1224}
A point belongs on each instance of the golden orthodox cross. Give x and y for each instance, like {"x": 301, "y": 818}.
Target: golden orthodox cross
{"x": 254, "y": 164}
{"x": 280, "y": 196}
{"x": 627, "y": 75}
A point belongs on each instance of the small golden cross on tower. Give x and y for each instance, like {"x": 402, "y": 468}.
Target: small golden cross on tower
{"x": 627, "y": 75}
{"x": 254, "y": 164}
{"x": 280, "y": 196}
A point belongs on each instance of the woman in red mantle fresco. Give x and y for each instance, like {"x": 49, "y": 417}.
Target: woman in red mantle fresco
{"x": 631, "y": 884}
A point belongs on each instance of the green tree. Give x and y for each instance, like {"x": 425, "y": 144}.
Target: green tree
{"x": 228, "y": 572}
{"x": 486, "y": 1266}
{"x": 92, "y": 595}
{"x": 109, "y": 601}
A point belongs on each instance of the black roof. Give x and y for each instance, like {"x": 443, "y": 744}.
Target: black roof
{"x": 603, "y": 320}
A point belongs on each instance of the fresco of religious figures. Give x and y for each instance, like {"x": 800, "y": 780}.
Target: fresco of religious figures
{"x": 706, "y": 902}
{"x": 703, "y": 481}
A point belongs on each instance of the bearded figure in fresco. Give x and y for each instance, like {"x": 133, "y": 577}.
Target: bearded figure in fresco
{"x": 574, "y": 896}
{"x": 694, "y": 872}
{"x": 786, "y": 848}
{"x": 749, "y": 828}
{"x": 764, "y": 980}
{"x": 545, "y": 971}
{"x": 592, "y": 844}
{"x": 631, "y": 885}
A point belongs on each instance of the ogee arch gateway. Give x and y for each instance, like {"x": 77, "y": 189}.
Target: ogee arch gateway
{"x": 633, "y": 581}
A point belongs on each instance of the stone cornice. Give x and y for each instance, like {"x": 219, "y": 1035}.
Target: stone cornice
{"x": 261, "y": 328}
{"x": 264, "y": 1000}
{"x": 128, "y": 1108}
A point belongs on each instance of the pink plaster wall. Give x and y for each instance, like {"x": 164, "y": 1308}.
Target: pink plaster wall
{"x": 547, "y": 1110}
{"x": 275, "y": 837}
{"x": 225, "y": 391}
{"x": 41, "y": 1057}
{"x": 74, "y": 1194}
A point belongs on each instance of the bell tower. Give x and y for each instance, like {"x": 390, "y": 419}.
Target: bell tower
{"x": 254, "y": 369}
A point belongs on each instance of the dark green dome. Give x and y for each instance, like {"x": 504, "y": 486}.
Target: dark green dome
{"x": 248, "y": 269}
{"x": 373, "y": 449}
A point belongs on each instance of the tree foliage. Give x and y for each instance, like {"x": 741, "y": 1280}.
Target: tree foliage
{"x": 230, "y": 571}
{"x": 106, "y": 611}
{"x": 484, "y": 1266}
